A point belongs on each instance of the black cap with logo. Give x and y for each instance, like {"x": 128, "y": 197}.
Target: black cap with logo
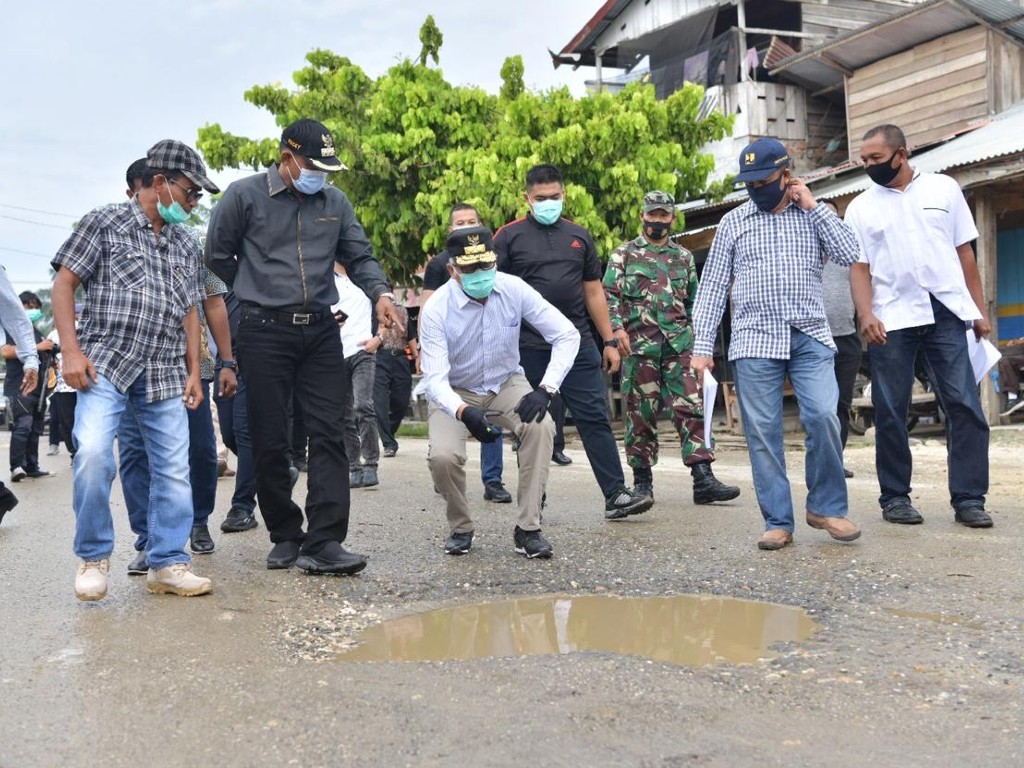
{"x": 470, "y": 245}
{"x": 313, "y": 141}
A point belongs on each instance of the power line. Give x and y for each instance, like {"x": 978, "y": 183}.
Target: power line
{"x": 65, "y": 228}
{"x": 26, "y": 253}
{"x": 37, "y": 210}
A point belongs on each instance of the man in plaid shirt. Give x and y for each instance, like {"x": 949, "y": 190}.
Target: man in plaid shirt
{"x": 141, "y": 270}
{"x": 771, "y": 251}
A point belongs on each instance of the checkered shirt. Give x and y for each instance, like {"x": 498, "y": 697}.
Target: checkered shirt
{"x": 138, "y": 290}
{"x": 773, "y": 263}
{"x": 212, "y": 286}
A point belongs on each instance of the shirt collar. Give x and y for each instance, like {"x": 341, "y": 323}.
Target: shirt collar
{"x": 275, "y": 183}
{"x": 750, "y": 208}
{"x": 138, "y": 214}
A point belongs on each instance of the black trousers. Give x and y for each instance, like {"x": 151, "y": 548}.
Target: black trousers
{"x": 62, "y": 405}
{"x": 847, "y": 365}
{"x": 28, "y": 426}
{"x": 392, "y": 388}
{"x": 277, "y": 361}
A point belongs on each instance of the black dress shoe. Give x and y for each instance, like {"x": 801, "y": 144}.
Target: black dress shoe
{"x": 973, "y": 516}
{"x": 8, "y": 501}
{"x": 847, "y": 473}
{"x": 560, "y": 458}
{"x": 283, "y": 555}
{"x": 390, "y": 452}
{"x": 332, "y": 558}
{"x": 496, "y": 492}
{"x": 200, "y": 541}
{"x": 901, "y": 511}
{"x": 36, "y": 473}
{"x": 237, "y": 520}
{"x": 139, "y": 566}
{"x": 458, "y": 543}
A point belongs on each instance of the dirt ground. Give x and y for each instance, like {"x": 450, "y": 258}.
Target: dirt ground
{"x": 918, "y": 659}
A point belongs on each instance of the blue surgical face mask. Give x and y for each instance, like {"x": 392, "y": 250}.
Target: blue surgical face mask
{"x": 309, "y": 182}
{"x": 35, "y": 315}
{"x": 547, "y": 212}
{"x": 479, "y": 284}
{"x": 768, "y": 197}
{"x": 174, "y": 213}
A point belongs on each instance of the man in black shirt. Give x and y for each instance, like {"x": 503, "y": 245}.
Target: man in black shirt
{"x": 557, "y": 257}
{"x": 434, "y": 276}
{"x": 29, "y": 408}
{"x": 274, "y": 238}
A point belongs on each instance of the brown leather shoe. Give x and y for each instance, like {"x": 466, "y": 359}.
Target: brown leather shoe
{"x": 776, "y": 538}
{"x": 839, "y": 528}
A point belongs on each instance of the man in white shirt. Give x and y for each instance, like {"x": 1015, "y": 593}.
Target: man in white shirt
{"x": 469, "y": 342}
{"x": 917, "y": 289}
{"x": 359, "y": 345}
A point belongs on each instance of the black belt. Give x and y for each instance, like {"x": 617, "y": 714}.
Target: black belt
{"x": 288, "y": 318}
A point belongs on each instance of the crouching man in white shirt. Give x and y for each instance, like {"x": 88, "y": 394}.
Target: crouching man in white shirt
{"x": 469, "y": 342}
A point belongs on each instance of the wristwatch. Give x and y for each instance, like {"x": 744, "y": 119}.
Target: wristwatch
{"x": 228, "y": 364}
{"x": 611, "y": 343}
{"x": 387, "y": 295}
{"x": 550, "y": 390}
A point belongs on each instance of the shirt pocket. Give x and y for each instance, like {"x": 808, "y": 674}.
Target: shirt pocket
{"x": 127, "y": 270}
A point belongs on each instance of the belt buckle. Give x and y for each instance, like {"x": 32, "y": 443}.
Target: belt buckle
{"x": 300, "y": 319}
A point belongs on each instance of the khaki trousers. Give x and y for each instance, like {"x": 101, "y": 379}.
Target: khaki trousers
{"x": 447, "y": 456}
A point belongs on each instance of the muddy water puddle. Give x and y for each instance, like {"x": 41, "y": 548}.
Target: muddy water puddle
{"x": 681, "y": 629}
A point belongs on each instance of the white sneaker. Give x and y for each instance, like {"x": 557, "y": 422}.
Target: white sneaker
{"x": 17, "y": 474}
{"x": 53, "y": 450}
{"x": 91, "y": 581}
{"x": 177, "y": 579}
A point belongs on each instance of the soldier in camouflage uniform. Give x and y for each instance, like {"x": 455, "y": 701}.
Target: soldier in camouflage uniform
{"x": 651, "y": 283}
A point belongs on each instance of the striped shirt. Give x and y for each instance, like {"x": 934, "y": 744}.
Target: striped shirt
{"x": 138, "y": 289}
{"x": 773, "y": 263}
{"x": 474, "y": 346}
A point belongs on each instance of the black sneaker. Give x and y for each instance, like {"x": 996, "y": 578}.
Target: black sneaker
{"x": 35, "y": 473}
{"x": 390, "y": 452}
{"x": 623, "y": 502}
{"x": 369, "y": 478}
{"x": 973, "y": 515}
{"x": 238, "y": 520}
{"x": 200, "y": 541}
{"x": 497, "y": 493}
{"x": 901, "y": 511}
{"x": 138, "y": 566}
{"x": 332, "y": 559}
{"x": 458, "y": 543}
{"x": 531, "y": 543}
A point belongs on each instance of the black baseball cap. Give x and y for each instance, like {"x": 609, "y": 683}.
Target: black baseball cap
{"x": 314, "y": 142}
{"x": 171, "y": 155}
{"x": 470, "y": 245}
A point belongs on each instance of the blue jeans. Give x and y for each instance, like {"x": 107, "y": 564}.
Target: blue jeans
{"x": 586, "y": 394}
{"x": 134, "y": 465}
{"x": 491, "y": 461}
{"x": 810, "y": 369}
{"x": 163, "y": 428}
{"x": 944, "y": 348}
{"x": 233, "y": 413}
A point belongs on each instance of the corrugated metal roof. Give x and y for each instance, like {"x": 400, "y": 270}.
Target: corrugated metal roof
{"x": 824, "y": 65}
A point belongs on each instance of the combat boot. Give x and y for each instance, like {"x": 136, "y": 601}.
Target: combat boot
{"x": 643, "y": 482}
{"x": 707, "y": 489}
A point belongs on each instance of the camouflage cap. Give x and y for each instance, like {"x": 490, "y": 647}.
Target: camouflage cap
{"x": 659, "y": 201}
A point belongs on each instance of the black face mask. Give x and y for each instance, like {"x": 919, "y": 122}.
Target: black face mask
{"x": 656, "y": 230}
{"x": 768, "y": 197}
{"x": 884, "y": 173}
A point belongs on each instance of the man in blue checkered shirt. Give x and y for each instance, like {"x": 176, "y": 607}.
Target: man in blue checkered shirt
{"x": 771, "y": 251}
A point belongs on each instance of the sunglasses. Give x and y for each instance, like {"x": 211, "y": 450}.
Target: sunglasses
{"x": 479, "y": 266}
{"x": 192, "y": 194}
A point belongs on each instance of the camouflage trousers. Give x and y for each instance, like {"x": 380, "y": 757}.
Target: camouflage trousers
{"x": 650, "y": 384}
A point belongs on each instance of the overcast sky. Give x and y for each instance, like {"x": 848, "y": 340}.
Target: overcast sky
{"x": 88, "y": 87}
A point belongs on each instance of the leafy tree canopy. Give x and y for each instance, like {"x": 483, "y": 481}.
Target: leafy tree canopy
{"x": 417, "y": 144}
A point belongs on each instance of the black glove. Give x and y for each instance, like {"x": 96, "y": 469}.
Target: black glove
{"x": 478, "y": 425}
{"x": 534, "y": 405}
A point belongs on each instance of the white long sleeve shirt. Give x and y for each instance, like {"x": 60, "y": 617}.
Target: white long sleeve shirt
{"x": 354, "y": 303}
{"x": 475, "y": 346}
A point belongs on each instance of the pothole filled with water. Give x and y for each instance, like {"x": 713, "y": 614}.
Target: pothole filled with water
{"x": 681, "y": 629}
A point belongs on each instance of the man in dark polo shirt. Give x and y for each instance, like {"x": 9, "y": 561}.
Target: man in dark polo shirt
{"x": 557, "y": 257}
{"x": 274, "y": 238}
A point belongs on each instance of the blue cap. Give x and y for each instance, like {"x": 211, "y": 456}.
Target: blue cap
{"x": 762, "y": 158}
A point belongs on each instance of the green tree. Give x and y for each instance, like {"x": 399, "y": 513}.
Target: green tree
{"x": 417, "y": 144}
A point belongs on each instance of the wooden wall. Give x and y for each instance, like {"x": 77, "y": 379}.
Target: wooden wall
{"x": 830, "y": 18}
{"x": 929, "y": 91}
{"x": 1007, "y": 72}
{"x": 826, "y": 120}
{"x": 774, "y": 109}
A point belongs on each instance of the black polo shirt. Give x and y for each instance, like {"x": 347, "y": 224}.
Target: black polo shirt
{"x": 555, "y": 260}
{"x": 436, "y": 273}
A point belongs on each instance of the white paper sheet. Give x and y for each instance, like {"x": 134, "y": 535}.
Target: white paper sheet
{"x": 983, "y": 355}
{"x": 710, "y": 393}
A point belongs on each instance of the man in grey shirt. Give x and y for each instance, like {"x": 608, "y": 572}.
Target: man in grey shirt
{"x": 16, "y": 323}
{"x": 274, "y": 238}
{"x": 835, "y": 283}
